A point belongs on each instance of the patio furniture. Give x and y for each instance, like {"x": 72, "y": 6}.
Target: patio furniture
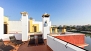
{"x": 15, "y": 41}
{"x": 5, "y": 47}
{"x": 1, "y": 49}
{"x": 40, "y": 39}
{"x": 32, "y": 40}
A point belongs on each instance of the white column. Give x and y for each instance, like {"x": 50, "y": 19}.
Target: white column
{"x": 1, "y": 22}
{"x": 24, "y": 26}
{"x": 46, "y": 30}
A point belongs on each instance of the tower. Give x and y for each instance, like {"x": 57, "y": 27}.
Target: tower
{"x": 24, "y": 26}
{"x": 1, "y": 22}
{"x": 46, "y": 25}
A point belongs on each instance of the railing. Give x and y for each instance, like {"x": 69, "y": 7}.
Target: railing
{"x": 61, "y": 45}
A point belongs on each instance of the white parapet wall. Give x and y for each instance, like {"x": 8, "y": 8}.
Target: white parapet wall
{"x": 5, "y": 37}
{"x": 1, "y": 21}
{"x": 59, "y": 45}
{"x": 15, "y": 26}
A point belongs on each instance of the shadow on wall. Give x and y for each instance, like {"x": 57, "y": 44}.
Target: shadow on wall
{"x": 5, "y": 37}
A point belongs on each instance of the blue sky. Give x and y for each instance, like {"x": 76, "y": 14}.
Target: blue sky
{"x": 63, "y": 12}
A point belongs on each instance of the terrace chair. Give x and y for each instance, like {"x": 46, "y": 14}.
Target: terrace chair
{"x": 32, "y": 40}
{"x": 1, "y": 50}
{"x": 14, "y": 41}
{"x": 40, "y": 39}
{"x": 4, "y": 47}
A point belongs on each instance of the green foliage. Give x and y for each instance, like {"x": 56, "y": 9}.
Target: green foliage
{"x": 78, "y": 28}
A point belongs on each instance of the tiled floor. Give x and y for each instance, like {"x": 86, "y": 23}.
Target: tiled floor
{"x": 24, "y": 47}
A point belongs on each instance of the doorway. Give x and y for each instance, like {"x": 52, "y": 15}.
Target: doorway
{"x": 53, "y": 30}
{"x": 35, "y": 30}
{"x": 5, "y": 28}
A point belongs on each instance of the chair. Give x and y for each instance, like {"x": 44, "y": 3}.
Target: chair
{"x": 1, "y": 49}
{"x": 4, "y": 47}
{"x": 32, "y": 40}
{"x": 40, "y": 39}
{"x": 14, "y": 41}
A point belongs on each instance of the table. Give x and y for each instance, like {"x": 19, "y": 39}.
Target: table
{"x": 36, "y": 38}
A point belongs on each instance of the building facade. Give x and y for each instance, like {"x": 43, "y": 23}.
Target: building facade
{"x": 16, "y": 26}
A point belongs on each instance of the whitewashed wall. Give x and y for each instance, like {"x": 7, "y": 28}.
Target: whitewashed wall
{"x": 50, "y": 23}
{"x": 46, "y": 30}
{"x": 1, "y": 21}
{"x": 5, "y": 37}
{"x": 24, "y": 27}
{"x": 15, "y": 26}
{"x": 59, "y": 45}
{"x": 40, "y": 25}
{"x": 28, "y": 25}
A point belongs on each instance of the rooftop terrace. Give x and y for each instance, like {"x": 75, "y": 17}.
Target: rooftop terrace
{"x": 25, "y": 47}
{"x": 52, "y": 43}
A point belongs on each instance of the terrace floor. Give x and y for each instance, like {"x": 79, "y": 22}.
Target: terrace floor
{"x": 25, "y": 47}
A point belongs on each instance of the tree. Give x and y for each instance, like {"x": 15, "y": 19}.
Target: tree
{"x": 89, "y": 28}
{"x": 68, "y": 27}
{"x": 83, "y": 28}
{"x": 73, "y": 27}
{"x": 60, "y": 27}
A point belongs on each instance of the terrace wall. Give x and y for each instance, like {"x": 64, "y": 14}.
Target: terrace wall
{"x": 60, "y": 45}
{"x": 5, "y": 37}
{"x": 14, "y": 26}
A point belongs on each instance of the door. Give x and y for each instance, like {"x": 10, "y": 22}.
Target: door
{"x": 5, "y": 28}
{"x": 35, "y": 29}
{"x": 53, "y": 30}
